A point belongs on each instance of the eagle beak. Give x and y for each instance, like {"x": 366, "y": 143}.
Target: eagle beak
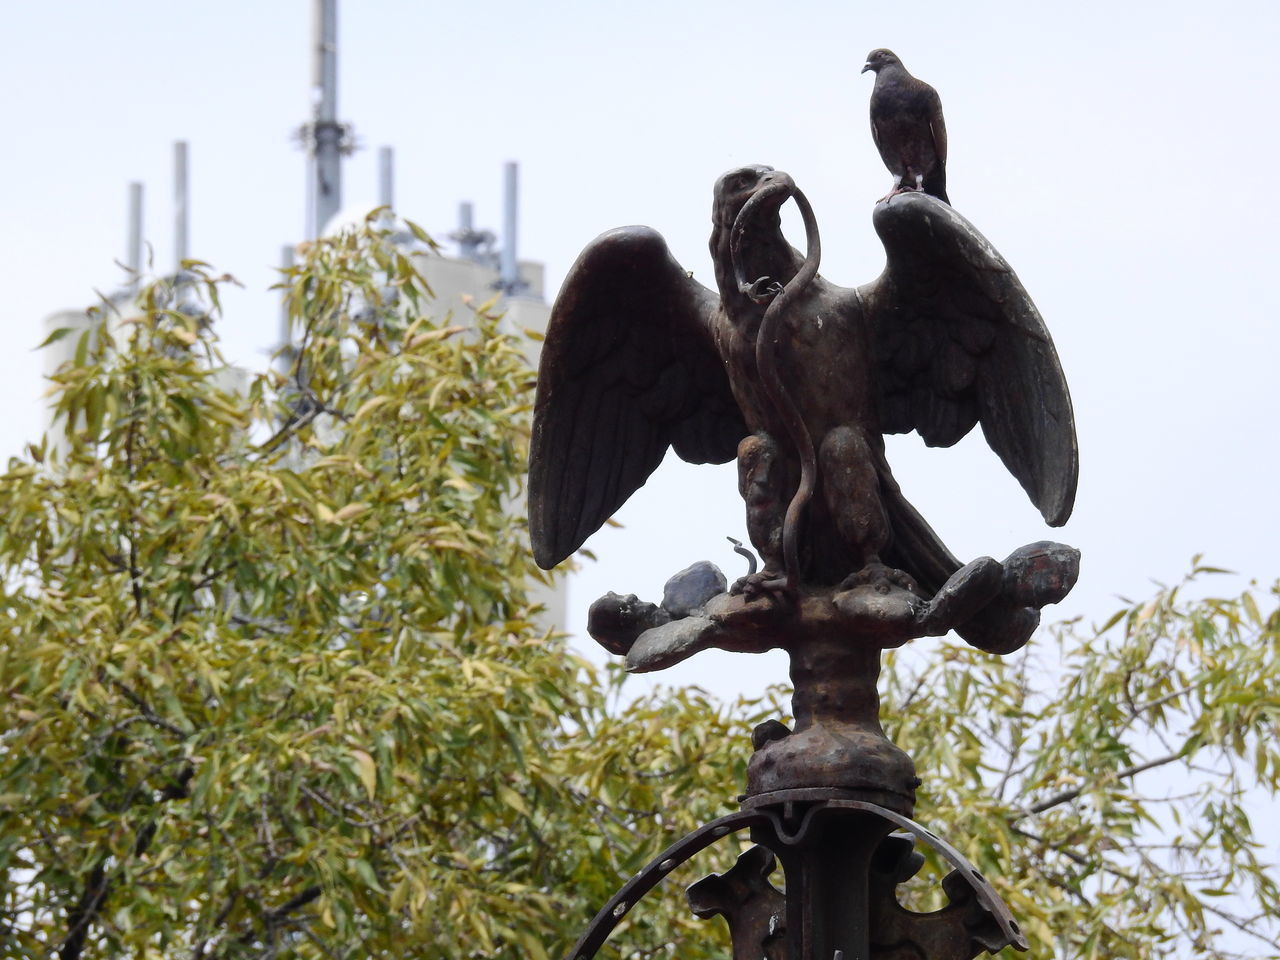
{"x": 782, "y": 179}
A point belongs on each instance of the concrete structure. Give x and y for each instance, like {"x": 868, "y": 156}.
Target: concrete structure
{"x": 461, "y": 282}
{"x": 458, "y": 282}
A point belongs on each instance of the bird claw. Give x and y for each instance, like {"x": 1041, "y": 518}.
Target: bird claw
{"x": 764, "y": 289}
{"x": 881, "y": 577}
{"x": 895, "y": 191}
{"x": 766, "y": 582}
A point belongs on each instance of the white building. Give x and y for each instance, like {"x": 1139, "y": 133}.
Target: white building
{"x": 458, "y": 282}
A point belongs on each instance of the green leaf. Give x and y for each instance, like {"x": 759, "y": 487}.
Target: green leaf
{"x": 55, "y": 336}
{"x": 82, "y": 348}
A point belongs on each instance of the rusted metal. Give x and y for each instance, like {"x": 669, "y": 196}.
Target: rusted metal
{"x": 754, "y": 908}
{"x": 653, "y": 873}
{"x": 843, "y": 861}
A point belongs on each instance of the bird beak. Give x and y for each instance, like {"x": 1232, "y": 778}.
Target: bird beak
{"x": 865, "y": 68}
{"x": 776, "y": 180}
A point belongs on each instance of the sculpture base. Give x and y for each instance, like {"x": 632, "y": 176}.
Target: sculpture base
{"x": 861, "y": 764}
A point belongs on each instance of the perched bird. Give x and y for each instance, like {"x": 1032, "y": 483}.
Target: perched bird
{"x": 639, "y": 358}
{"x": 906, "y": 124}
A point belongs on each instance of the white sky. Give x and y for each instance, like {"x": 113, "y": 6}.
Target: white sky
{"x": 1120, "y": 156}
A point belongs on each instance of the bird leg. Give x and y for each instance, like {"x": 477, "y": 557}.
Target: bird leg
{"x": 763, "y": 484}
{"x": 897, "y": 189}
{"x": 851, "y": 487}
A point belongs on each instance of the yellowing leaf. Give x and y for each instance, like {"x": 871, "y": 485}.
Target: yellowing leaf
{"x": 512, "y": 799}
{"x": 370, "y": 405}
{"x": 349, "y": 511}
{"x": 400, "y": 894}
{"x": 441, "y": 334}
{"x": 368, "y": 771}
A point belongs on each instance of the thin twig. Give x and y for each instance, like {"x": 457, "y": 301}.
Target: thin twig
{"x": 1067, "y": 796}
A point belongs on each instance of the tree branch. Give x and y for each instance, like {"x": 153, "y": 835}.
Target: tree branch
{"x": 296, "y": 902}
{"x": 1136, "y": 711}
{"x": 1241, "y": 925}
{"x": 144, "y": 708}
{"x": 98, "y": 885}
{"x": 86, "y": 908}
{"x": 1066, "y": 796}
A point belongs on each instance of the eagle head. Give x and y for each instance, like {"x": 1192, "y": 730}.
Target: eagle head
{"x": 736, "y": 187}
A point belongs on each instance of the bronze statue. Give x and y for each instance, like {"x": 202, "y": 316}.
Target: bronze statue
{"x": 799, "y": 379}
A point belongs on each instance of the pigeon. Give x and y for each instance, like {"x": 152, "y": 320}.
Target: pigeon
{"x": 906, "y": 124}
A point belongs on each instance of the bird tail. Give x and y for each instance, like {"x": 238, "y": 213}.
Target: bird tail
{"x": 936, "y": 184}
{"x": 1002, "y": 626}
{"x": 914, "y": 546}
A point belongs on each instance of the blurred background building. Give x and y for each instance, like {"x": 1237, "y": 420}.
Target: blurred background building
{"x": 473, "y": 265}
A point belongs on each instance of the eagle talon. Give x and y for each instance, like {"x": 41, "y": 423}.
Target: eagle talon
{"x": 882, "y": 577}
{"x": 764, "y": 289}
{"x": 765, "y": 583}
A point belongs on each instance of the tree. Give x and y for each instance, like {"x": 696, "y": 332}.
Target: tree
{"x": 273, "y": 685}
{"x": 1106, "y": 786}
{"x": 272, "y": 681}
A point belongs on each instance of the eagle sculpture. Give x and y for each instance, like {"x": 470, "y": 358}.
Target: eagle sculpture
{"x": 800, "y": 380}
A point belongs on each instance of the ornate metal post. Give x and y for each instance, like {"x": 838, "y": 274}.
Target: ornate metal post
{"x": 832, "y": 799}
{"x": 798, "y": 379}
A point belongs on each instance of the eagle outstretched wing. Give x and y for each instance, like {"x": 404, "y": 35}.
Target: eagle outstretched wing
{"x": 958, "y": 341}
{"x": 629, "y": 368}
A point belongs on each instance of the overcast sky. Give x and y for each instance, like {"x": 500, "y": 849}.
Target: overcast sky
{"x": 1120, "y": 156}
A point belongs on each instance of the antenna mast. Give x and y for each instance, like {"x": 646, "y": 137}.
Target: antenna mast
{"x": 325, "y": 139}
{"x": 386, "y": 177}
{"x": 133, "y": 252}
{"x": 180, "y": 196}
{"x": 509, "y": 265}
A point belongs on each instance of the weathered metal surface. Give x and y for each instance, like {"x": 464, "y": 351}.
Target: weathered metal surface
{"x": 842, "y": 863}
{"x": 653, "y": 873}
{"x": 975, "y": 918}
{"x": 834, "y": 637}
{"x": 752, "y": 906}
{"x": 799, "y": 379}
